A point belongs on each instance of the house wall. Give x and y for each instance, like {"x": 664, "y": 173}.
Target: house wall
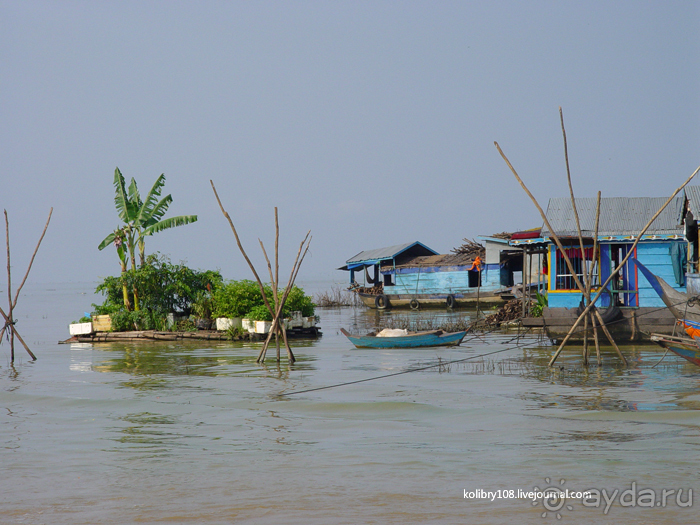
{"x": 654, "y": 255}
{"x": 442, "y": 280}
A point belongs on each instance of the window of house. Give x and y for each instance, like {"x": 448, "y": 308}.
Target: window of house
{"x": 564, "y": 279}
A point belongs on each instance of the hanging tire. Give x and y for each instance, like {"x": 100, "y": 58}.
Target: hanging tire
{"x": 608, "y": 314}
{"x": 381, "y": 302}
{"x": 414, "y": 304}
{"x": 450, "y": 301}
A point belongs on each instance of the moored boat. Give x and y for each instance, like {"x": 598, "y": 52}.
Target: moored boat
{"x": 410, "y": 340}
{"x": 681, "y": 346}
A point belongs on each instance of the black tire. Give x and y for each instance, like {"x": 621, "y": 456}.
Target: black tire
{"x": 609, "y": 314}
{"x": 450, "y": 301}
{"x": 414, "y": 304}
{"x": 381, "y": 302}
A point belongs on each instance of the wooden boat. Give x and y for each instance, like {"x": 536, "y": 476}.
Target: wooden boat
{"x": 678, "y": 303}
{"x": 686, "y": 312}
{"x": 436, "y": 300}
{"x": 412, "y": 340}
{"x": 681, "y": 346}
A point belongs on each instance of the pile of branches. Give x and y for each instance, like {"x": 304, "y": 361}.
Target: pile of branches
{"x": 502, "y": 235}
{"x": 470, "y": 248}
{"x": 510, "y": 311}
{"x": 374, "y": 290}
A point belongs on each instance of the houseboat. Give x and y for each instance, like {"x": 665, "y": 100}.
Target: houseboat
{"x": 632, "y": 309}
{"x": 416, "y": 276}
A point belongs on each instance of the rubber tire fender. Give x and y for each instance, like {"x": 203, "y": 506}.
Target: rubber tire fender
{"x": 608, "y": 314}
{"x": 381, "y": 302}
{"x": 450, "y": 301}
{"x": 414, "y": 304}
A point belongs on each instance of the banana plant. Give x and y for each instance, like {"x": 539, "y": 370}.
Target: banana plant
{"x": 141, "y": 219}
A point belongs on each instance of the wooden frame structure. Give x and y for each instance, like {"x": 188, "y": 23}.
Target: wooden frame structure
{"x": 9, "y": 327}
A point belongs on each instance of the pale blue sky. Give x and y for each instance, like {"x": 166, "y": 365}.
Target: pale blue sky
{"x": 369, "y": 123}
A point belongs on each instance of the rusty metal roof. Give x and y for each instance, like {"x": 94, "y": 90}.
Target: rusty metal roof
{"x": 618, "y": 216}
{"x": 390, "y": 252}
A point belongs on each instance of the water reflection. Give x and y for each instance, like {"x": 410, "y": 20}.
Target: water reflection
{"x": 183, "y": 360}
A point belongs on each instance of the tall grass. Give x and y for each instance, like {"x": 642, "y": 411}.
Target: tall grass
{"x": 336, "y": 297}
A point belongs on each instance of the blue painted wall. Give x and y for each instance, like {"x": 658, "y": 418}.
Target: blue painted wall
{"x": 442, "y": 280}
{"x": 653, "y": 255}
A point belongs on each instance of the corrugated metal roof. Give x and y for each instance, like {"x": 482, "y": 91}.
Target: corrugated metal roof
{"x": 618, "y": 216}
{"x": 693, "y": 194}
{"x": 379, "y": 254}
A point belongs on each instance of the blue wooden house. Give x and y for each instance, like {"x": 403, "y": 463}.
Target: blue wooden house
{"x": 663, "y": 249}
{"x": 414, "y": 275}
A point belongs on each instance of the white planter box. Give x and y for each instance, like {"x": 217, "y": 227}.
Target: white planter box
{"x": 262, "y": 327}
{"x": 309, "y": 322}
{"x": 295, "y": 321}
{"x": 80, "y": 328}
{"x": 248, "y": 325}
{"x": 224, "y": 323}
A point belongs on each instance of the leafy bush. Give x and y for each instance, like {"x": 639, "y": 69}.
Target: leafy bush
{"x": 237, "y": 298}
{"x": 297, "y": 301}
{"x": 537, "y": 308}
{"x": 163, "y": 288}
{"x": 259, "y": 313}
{"x": 124, "y": 321}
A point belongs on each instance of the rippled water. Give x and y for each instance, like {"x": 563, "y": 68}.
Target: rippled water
{"x": 200, "y": 433}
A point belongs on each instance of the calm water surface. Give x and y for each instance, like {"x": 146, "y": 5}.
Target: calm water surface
{"x": 199, "y": 433}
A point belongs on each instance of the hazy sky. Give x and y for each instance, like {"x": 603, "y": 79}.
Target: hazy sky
{"x": 369, "y": 123}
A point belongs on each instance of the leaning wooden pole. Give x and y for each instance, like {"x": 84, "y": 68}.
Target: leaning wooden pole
{"x": 9, "y": 289}
{"x": 622, "y": 263}
{"x": 277, "y": 314}
{"x": 590, "y": 276}
{"x": 563, "y": 252}
{"x": 587, "y": 277}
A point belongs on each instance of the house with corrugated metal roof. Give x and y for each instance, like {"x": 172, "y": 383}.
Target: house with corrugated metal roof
{"x": 663, "y": 249}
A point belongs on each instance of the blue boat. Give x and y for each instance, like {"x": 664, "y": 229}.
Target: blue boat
{"x": 681, "y": 346}
{"x": 412, "y": 340}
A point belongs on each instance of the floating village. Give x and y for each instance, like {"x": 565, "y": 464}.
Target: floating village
{"x": 604, "y": 270}
{"x": 598, "y": 270}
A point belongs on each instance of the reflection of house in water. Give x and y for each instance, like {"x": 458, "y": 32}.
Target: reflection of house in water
{"x": 414, "y": 275}
{"x": 632, "y": 305}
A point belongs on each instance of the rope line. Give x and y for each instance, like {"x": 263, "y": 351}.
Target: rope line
{"x": 418, "y": 369}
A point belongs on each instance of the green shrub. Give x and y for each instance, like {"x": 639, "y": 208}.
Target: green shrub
{"x": 237, "y": 298}
{"x": 163, "y": 287}
{"x": 259, "y": 313}
{"x": 297, "y": 301}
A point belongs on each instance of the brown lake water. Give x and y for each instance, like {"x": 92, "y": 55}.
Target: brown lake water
{"x": 199, "y": 433}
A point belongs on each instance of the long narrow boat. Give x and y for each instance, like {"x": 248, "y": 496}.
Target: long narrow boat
{"x": 412, "y": 340}
{"x": 686, "y": 312}
{"x": 681, "y": 346}
{"x": 678, "y": 303}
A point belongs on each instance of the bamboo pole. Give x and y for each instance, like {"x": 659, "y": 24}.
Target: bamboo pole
{"x": 566, "y": 259}
{"x": 240, "y": 247}
{"x": 9, "y": 289}
{"x": 616, "y": 271}
{"x": 277, "y": 271}
{"x": 590, "y": 276}
{"x": 276, "y": 315}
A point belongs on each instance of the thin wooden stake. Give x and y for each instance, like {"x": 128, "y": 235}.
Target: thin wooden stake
{"x": 569, "y": 265}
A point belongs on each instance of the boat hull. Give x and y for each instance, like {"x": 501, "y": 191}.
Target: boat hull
{"x": 418, "y": 340}
{"x": 434, "y": 300}
{"x": 632, "y": 324}
{"x": 681, "y": 346}
{"x": 677, "y": 302}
